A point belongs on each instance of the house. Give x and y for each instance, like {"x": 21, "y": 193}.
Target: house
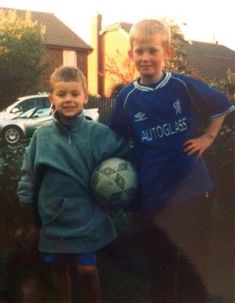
{"x": 205, "y": 60}
{"x": 62, "y": 45}
{"x": 109, "y": 44}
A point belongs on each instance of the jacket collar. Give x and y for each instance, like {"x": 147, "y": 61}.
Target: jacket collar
{"x": 68, "y": 124}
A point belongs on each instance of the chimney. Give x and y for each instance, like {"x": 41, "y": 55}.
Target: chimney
{"x": 93, "y": 58}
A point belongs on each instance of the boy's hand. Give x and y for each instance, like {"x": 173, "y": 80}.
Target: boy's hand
{"x": 198, "y": 145}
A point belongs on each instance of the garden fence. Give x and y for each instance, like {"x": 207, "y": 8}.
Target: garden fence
{"x": 104, "y": 105}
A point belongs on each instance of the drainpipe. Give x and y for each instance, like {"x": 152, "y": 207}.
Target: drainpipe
{"x": 93, "y": 58}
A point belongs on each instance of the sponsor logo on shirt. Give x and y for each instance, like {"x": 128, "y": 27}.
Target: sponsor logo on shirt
{"x": 164, "y": 130}
{"x": 140, "y": 116}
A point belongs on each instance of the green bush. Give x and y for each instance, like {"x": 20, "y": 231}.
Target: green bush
{"x": 10, "y": 163}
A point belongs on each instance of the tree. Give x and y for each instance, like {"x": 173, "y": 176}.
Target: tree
{"x": 227, "y": 84}
{"x": 21, "y": 49}
{"x": 178, "y": 62}
{"x": 120, "y": 71}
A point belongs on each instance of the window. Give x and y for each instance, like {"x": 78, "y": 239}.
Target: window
{"x": 26, "y": 105}
{"x": 43, "y": 103}
{"x": 70, "y": 58}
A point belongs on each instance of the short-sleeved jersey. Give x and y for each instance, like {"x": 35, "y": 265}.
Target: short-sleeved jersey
{"x": 160, "y": 118}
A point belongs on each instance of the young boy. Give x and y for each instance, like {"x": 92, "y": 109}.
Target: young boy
{"x": 161, "y": 111}
{"x": 55, "y": 180}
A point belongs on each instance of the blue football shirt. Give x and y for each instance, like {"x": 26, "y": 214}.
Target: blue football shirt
{"x": 160, "y": 118}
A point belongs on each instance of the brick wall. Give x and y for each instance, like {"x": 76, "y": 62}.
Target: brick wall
{"x": 53, "y": 58}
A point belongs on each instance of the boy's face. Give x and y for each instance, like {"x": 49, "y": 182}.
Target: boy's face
{"x": 68, "y": 98}
{"x": 149, "y": 57}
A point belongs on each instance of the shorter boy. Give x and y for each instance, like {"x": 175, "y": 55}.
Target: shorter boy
{"x": 55, "y": 179}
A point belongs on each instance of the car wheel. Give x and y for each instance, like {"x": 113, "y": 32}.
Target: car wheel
{"x": 12, "y": 134}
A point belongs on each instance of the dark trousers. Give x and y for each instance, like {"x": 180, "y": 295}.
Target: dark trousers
{"x": 173, "y": 277}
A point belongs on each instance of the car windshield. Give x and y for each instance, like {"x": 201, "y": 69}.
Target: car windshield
{"x": 28, "y": 114}
{"x": 34, "y": 113}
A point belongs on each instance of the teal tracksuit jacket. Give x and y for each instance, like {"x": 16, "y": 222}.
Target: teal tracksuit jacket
{"x": 55, "y": 177}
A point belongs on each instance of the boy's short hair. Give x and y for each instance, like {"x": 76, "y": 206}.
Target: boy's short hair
{"x": 67, "y": 74}
{"x": 145, "y": 29}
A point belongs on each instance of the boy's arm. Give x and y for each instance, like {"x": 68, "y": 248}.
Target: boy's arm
{"x": 109, "y": 144}
{"x": 25, "y": 189}
{"x": 118, "y": 119}
{"x": 27, "y": 231}
{"x": 200, "y": 144}
{"x": 27, "y": 182}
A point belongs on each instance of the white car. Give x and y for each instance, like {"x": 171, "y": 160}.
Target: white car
{"x": 22, "y": 126}
{"x": 23, "y": 104}
{"x": 39, "y": 101}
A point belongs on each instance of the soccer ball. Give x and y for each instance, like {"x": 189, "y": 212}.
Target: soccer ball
{"x": 114, "y": 183}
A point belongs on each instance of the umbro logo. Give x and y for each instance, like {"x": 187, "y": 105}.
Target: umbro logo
{"x": 140, "y": 116}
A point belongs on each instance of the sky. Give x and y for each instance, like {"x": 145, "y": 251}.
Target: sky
{"x": 201, "y": 20}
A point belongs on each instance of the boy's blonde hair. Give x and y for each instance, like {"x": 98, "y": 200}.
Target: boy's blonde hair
{"x": 145, "y": 29}
{"x": 67, "y": 74}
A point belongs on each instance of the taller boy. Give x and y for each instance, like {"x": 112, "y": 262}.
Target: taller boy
{"x": 162, "y": 111}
